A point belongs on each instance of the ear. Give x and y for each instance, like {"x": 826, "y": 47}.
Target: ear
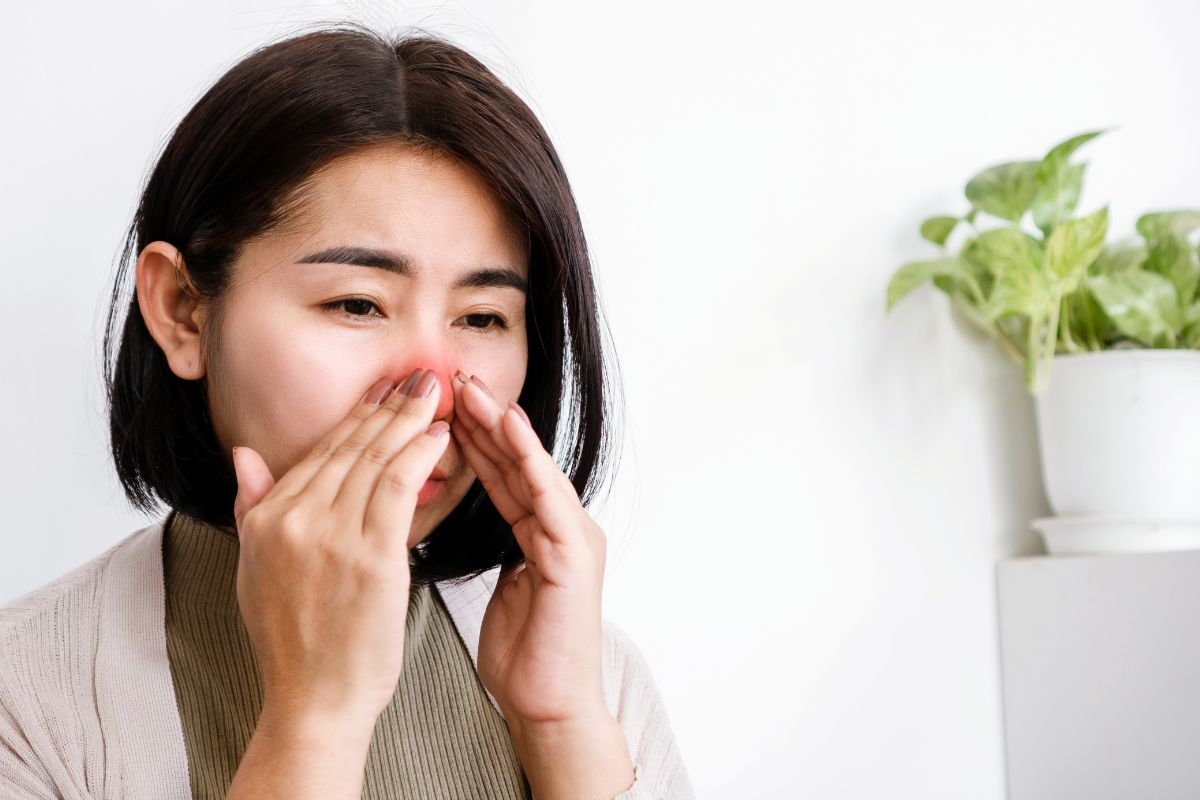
{"x": 171, "y": 307}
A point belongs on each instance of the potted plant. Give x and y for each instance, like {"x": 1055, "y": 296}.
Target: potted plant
{"x": 1118, "y": 325}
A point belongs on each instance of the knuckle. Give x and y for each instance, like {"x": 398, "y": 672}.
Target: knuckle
{"x": 412, "y": 412}
{"x": 366, "y": 571}
{"x": 323, "y": 450}
{"x": 377, "y": 453}
{"x": 292, "y": 524}
{"x": 401, "y": 480}
{"x": 363, "y": 412}
{"x": 353, "y": 446}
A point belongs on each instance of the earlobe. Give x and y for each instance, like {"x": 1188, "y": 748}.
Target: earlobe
{"x": 168, "y": 298}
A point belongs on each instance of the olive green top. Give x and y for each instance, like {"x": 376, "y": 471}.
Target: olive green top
{"x": 439, "y": 737}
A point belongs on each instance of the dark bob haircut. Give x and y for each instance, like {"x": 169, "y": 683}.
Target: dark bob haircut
{"x": 236, "y": 167}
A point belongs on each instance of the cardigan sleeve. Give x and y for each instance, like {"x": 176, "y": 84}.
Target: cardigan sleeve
{"x": 50, "y": 742}
{"x": 633, "y": 698}
{"x": 20, "y": 778}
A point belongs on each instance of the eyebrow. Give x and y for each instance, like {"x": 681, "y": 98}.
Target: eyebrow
{"x": 483, "y": 278}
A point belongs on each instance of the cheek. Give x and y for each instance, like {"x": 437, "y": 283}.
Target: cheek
{"x": 502, "y": 369}
{"x": 286, "y": 384}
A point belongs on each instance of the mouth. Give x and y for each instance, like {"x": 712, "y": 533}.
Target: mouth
{"x": 438, "y": 474}
{"x": 430, "y": 491}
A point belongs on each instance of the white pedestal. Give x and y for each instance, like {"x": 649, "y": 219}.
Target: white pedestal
{"x": 1101, "y": 670}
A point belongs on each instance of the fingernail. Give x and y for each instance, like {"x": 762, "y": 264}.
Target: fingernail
{"x": 438, "y": 428}
{"x": 376, "y": 393}
{"x": 409, "y": 382}
{"x": 475, "y": 380}
{"x": 520, "y": 411}
{"x": 460, "y": 376}
{"x": 425, "y": 386}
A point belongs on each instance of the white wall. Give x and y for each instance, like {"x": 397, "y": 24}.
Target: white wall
{"x": 813, "y": 496}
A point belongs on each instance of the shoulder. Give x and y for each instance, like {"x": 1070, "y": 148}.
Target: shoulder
{"x": 629, "y": 685}
{"x": 49, "y": 639}
{"x": 70, "y": 598}
{"x": 633, "y": 698}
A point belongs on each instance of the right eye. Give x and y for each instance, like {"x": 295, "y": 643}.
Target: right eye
{"x": 344, "y": 306}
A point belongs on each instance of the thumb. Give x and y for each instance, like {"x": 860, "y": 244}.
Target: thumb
{"x": 253, "y": 481}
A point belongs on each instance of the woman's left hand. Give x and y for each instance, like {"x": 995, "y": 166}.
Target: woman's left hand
{"x": 539, "y": 646}
{"x": 540, "y": 640}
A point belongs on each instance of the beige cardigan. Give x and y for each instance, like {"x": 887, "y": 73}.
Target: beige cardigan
{"x": 87, "y": 707}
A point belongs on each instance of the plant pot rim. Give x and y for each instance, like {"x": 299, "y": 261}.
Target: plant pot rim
{"x": 1161, "y": 353}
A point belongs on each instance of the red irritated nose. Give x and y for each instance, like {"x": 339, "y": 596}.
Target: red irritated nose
{"x": 445, "y": 405}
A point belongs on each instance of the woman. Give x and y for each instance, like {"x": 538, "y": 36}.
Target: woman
{"x": 358, "y": 263}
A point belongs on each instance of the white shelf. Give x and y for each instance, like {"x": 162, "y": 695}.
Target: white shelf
{"x": 1101, "y": 668}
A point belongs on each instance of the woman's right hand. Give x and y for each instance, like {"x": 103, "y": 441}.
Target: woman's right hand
{"x": 323, "y": 570}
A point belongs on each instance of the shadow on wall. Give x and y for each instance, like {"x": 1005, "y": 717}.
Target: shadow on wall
{"x": 935, "y": 369}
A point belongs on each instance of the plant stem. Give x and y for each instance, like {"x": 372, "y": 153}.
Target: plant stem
{"x": 1090, "y": 322}
{"x": 1064, "y": 327}
{"x": 1045, "y": 338}
{"x": 1009, "y": 345}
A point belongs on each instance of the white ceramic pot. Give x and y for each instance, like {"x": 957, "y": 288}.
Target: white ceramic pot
{"x": 1119, "y": 432}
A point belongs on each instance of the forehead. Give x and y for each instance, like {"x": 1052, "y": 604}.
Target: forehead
{"x": 436, "y": 210}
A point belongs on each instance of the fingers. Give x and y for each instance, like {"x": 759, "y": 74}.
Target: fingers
{"x": 552, "y": 496}
{"x": 298, "y": 477}
{"x": 254, "y": 481}
{"x": 480, "y": 415}
{"x": 390, "y": 508}
{"x": 353, "y": 471}
{"x": 507, "y": 455}
{"x": 510, "y": 506}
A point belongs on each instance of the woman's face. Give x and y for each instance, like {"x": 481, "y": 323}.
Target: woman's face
{"x": 396, "y": 241}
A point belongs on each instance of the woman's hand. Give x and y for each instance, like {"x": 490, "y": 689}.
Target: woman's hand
{"x": 323, "y": 570}
{"x": 540, "y": 641}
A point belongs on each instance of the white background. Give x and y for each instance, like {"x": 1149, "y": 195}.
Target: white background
{"x": 813, "y": 495}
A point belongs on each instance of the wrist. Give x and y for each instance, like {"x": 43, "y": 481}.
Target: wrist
{"x": 583, "y": 756}
{"x": 304, "y": 725}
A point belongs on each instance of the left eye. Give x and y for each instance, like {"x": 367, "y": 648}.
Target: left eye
{"x": 497, "y": 320}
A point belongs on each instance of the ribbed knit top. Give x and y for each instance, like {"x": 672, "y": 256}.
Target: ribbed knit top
{"x": 439, "y": 737}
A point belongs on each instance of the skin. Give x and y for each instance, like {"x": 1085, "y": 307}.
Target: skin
{"x": 287, "y": 380}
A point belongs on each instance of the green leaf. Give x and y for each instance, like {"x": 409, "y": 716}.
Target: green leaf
{"x": 1021, "y": 291}
{"x": 1173, "y": 258}
{"x": 1061, "y": 152}
{"x": 1073, "y": 246}
{"x": 1056, "y": 199}
{"x": 1191, "y": 328}
{"x": 1059, "y": 183}
{"x": 1142, "y": 305}
{"x": 937, "y": 229}
{"x": 1089, "y": 324}
{"x": 1005, "y": 190}
{"x": 1119, "y": 256}
{"x": 914, "y": 273}
{"x": 1190, "y": 337}
{"x": 1168, "y": 223}
{"x": 1001, "y": 250}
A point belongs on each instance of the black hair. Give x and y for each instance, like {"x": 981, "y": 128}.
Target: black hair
{"x": 236, "y": 167}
